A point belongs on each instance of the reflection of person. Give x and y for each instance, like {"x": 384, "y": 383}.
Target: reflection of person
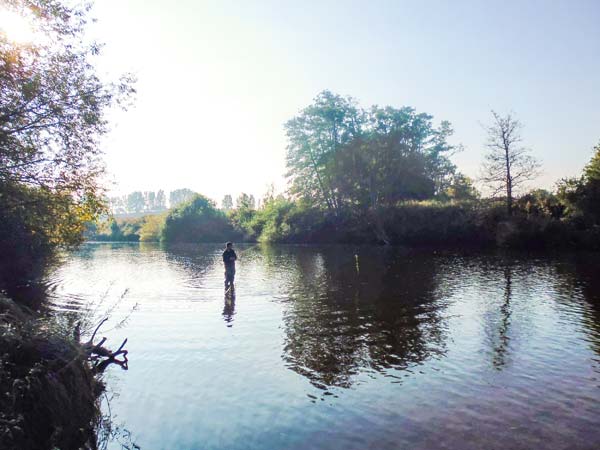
{"x": 229, "y": 258}
{"x": 229, "y": 309}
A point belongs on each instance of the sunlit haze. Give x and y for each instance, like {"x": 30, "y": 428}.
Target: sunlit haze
{"x": 217, "y": 80}
{"x": 16, "y": 28}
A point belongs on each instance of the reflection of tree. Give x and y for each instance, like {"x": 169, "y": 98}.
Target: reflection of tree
{"x": 348, "y": 312}
{"x": 194, "y": 260}
{"x": 579, "y": 278}
{"x": 500, "y": 346}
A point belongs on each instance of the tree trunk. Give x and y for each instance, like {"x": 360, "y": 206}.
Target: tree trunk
{"x": 509, "y": 199}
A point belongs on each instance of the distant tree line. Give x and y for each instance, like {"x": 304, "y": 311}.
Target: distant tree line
{"x": 384, "y": 175}
{"x": 148, "y": 201}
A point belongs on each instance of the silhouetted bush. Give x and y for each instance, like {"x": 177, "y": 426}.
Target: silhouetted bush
{"x": 197, "y": 220}
{"x": 49, "y": 394}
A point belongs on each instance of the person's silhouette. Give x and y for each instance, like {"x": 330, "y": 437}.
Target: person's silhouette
{"x": 229, "y": 258}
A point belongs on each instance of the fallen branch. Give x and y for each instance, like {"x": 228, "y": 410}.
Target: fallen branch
{"x": 101, "y": 357}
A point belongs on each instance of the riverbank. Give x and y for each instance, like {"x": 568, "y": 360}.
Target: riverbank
{"x": 51, "y": 380}
{"x": 51, "y": 393}
{"x": 477, "y": 224}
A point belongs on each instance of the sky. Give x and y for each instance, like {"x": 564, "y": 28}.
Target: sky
{"x": 217, "y": 80}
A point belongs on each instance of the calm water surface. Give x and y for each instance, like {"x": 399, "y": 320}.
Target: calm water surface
{"x": 345, "y": 347}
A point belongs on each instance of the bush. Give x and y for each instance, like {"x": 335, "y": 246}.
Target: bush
{"x": 427, "y": 223}
{"x": 197, "y": 220}
{"x": 152, "y": 226}
{"x": 49, "y": 392}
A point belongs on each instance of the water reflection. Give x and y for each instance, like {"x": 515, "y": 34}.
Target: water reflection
{"x": 229, "y": 309}
{"x": 194, "y": 261}
{"x": 430, "y": 348}
{"x": 500, "y": 325}
{"x": 342, "y": 318}
{"x": 580, "y": 282}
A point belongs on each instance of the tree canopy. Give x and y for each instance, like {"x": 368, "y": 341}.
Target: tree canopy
{"x": 341, "y": 156}
{"x": 53, "y": 112}
{"x": 197, "y": 220}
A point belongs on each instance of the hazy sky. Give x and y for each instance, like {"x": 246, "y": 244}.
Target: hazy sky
{"x": 218, "y": 79}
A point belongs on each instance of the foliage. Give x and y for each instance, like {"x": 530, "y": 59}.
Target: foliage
{"x": 179, "y": 196}
{"x": 242, "y": 219}
{"x": 125, "y": 230}
{"x": 152, "y": 226}
{"x": 197, "y": 220}
{"x": 435, "y": 223}
{"x": 53, "y": 110}
{"x": 541, "y": 202}
{"x": 460, "y": 188}
{"x": 227, "y": 203}
{"x": 34, "y": 221}
{"x": 53, "y": 105}
{"x": 590, "y": 202}
{"x": 581, "y": 196}
{"x": 49, "y": 392}
{"x": 314, "y": 136}
{"x": 245, "y": 201}
{"x": 508, "y": 165}
{"x": 136, "y": 202}
{"x": 340, "y": 156}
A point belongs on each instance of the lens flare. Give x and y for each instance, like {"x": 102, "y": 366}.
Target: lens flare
{"x": 16, "y": 28}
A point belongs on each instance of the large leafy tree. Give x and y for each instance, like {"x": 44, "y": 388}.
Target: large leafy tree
{"x": 582, "y": 195}
{"x": 341, "y": 156}
{"x": 53, "y": 109}
{"x": 53, "y": 106}
{"x": 197, "y": 220}
{"x": 591, "y": 176}
{"x": 314, "y": 137}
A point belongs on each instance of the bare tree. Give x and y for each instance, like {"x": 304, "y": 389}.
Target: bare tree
{"x": 508, "y": 165}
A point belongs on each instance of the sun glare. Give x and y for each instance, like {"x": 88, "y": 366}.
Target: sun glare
{"x": 16, "y": 28}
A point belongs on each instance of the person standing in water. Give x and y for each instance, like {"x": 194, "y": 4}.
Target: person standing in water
{"x": 229, "y": 258}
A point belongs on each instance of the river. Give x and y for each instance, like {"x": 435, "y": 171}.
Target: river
{"x": 343, "y": 346}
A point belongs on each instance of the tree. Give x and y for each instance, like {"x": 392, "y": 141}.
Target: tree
{"x": 115, "y": 231}
{"x": 227, "y": 203}
{"x": 591, "y": 179}
{"x": 53, "y": 105}
{"x": 53, "y": 111}
{"x": 151, "y": 228}
{"x": 581, "y": 196}
{"x": 161, "y": 201}
{"x": 118, "y": 205}
{"x": 314, "y": 136}
{"x": 341, "y": 156}
{"x": 150, "y": 200}
{"x": 179, "y": 196}
{"x": 197, "y": 220}
{"x": 245, "y": 201}
{"x": 461, "y": 188}
{"x": 508, "y": 165}
{"x": 135, "y": 202}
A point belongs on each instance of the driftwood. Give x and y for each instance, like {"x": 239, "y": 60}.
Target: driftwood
{"x": 101, "y": 357}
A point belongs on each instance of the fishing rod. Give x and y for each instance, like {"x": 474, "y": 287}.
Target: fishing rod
{"x": 246, "y": 249}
